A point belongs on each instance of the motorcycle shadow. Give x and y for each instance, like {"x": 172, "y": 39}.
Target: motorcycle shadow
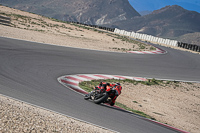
{"x": 107, "y": 105}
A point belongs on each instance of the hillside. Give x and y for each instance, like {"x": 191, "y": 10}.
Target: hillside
{"x": 192, "y": 38}
{"x": 168, "y": 22}
{"x": 96, "y": 12}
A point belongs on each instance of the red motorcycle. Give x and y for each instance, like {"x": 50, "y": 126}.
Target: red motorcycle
{"x": 101, "y": 95}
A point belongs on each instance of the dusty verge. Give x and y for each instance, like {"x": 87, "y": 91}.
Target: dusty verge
{"x": 177, "y": 104}
{"x": 18, "y": 117}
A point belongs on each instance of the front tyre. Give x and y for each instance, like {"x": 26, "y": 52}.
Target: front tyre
{"x": 101, "y": 99}
{"x": 87, "y": 96}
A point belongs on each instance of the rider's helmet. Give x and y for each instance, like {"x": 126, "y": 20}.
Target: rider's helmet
{"x": 117, "y": 84}
{"x": 108, "y": 84}
{"x": 117, "y": 87}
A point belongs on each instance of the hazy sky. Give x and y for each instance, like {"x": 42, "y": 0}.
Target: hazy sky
{"x": 142, "y": 5}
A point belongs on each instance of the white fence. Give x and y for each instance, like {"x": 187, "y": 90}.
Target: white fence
{"x": 145, "y": 37}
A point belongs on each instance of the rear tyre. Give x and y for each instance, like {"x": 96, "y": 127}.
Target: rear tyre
{"x": 101, "y": 99}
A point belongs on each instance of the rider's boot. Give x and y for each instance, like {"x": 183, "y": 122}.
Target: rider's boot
{"x": 108, "y": 100}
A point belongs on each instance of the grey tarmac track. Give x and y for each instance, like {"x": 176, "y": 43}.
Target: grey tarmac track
{"x": 29, "y": 72}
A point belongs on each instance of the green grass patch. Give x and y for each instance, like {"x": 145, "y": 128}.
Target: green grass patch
{"x": 152, "y": 48}
{"x": 134, "y": 111}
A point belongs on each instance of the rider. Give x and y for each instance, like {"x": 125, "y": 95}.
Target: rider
{"x": 115, "y": 87}
{"x": 103, "y": 86}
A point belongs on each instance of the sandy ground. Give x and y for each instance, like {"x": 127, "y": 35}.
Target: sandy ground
{"x": 19, "y": 117}
{"x": 177, "y": 106}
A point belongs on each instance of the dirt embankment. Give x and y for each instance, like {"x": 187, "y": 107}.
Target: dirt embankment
{"x": 177, "y": 104}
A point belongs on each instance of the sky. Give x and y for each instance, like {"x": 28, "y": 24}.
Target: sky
{"x": 151, "y": 5}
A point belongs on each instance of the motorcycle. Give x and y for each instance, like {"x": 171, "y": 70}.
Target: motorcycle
{"x": 100, "y": 95}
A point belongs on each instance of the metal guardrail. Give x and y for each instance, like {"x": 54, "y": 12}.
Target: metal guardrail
{"x": 192, "y": 47}
{"x": 5, "y": 20}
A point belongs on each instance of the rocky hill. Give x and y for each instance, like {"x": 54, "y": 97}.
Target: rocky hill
{"x": 95, "y": 12}
{"x": 169, "y": 22}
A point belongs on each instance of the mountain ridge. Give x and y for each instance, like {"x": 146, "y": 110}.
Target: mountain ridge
{"x": 168, "y": 22}
{"x": 96, "y": 12}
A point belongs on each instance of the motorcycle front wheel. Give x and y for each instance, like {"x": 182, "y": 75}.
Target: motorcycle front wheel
{"x": 87, "y": 96}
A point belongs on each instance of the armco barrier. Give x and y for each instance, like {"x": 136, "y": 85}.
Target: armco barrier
{"x": 189, "y": 46}
{"x": 5, "y": 20}
{"x": 198, "y": 49}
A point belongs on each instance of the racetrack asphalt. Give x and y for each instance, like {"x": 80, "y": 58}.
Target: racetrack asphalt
{"x": 29, "y": 72}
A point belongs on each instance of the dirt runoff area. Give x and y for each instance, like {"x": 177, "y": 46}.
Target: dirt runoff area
{"x": 19, "y": 117}
{"x": 176, "y": 106}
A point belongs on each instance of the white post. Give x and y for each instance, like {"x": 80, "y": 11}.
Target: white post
{"x": 122, "y": 32}
{"x": 151, "y": 38}
{"x": 136, "y": 35}
{"x": 155, "y": 39}
{"x": 133, "y": 34}
{"x": 129, "y": 33}
{"x": 159, "y": 40}
{"x": 125, "y": 33}
{"x": 139, "y": 35}
{"x": 116, "y": 31}
{"x": 163, "y": 41}
{"x": 145, "y": 37}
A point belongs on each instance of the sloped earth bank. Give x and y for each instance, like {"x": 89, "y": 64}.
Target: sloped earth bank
{"x": 177, "y": 106}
